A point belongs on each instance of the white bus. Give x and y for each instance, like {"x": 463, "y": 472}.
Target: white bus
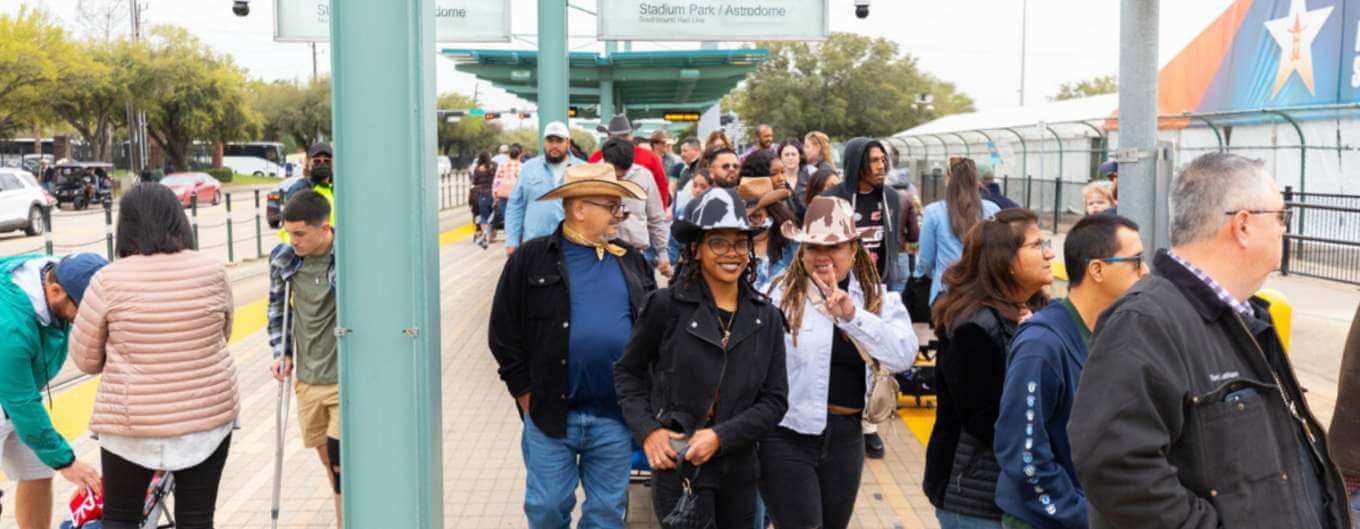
{"x": 259, "y": 158}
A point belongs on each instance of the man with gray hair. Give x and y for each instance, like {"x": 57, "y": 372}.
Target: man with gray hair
{"x": 1188, "y": 414}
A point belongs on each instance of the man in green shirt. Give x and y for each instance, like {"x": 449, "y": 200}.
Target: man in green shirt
{"x": 302, "y": 282}
{"x": 38, "y": 300}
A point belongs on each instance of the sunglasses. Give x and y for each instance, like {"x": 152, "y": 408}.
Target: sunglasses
{"x": 728, "y": 166}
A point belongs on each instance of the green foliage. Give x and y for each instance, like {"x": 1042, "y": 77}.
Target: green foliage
{"x": 1105, "y": 84}
{"x": 34, "y": 53}
{"x": 849, "y": 85}
{"x": 526, "y": 137}
{"x": 584, "y": 139}
{"x": 467, "y": 136}
{"x": 91, "y": 93}
{"x": 222, "y": 174}
{"x": 292, "y": 113}
{"x": 188, "y": 93}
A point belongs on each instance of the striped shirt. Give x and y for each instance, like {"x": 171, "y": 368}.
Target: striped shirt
{"x": 1222, "y": 293}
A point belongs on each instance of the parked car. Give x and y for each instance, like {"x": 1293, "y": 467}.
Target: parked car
{"x": 22, "y": 201}
{"x": 187, "y": 185}
{"x": 273, "y": 209}
{"x": 83, "y": 184}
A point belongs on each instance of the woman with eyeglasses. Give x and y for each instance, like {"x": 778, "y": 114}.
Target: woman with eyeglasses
{"x": 702, "y": 378}
{"x": 997, "y": 284}
{"x": 945, "y": 222}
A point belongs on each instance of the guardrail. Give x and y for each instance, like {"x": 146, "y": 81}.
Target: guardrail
{"x": 1323, "y": 240}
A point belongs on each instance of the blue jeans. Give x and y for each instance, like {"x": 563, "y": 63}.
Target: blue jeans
{"x": 650, "y": 255}
{"x": 486, "y": 209}
{"x": 604, "y": 448}
{"x": 953, "y": 520}
{"x": 903, "y": 272}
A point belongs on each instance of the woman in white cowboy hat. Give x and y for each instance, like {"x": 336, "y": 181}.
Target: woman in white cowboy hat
{"x": 766, "y": 209}
{"x": 704, "y": 371}
{"x": 843, "y": 323}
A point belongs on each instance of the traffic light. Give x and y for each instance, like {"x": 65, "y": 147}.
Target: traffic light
{"x": 524, "y": 115}
{"x": 571, "y": 112}
{"x": 492, "y": 115}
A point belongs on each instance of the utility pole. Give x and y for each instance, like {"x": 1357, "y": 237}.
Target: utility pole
{"x": 1024, "y": 12}
{"x": 1140, "y": 199}
{"x": 314, "y": 76}
{"x": 136, "y": 120}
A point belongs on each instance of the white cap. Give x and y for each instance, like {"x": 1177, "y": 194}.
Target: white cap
{"x": 556, "y": 129}
{"x": 504, "y": 149}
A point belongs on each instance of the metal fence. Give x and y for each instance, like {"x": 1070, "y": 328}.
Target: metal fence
{"x": 1323, "y": 240}
{"x": 1058, "y": 203}
{"x": 243, "y": 235}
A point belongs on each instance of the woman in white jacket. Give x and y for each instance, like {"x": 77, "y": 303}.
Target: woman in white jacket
{"x": 838, "y": 312}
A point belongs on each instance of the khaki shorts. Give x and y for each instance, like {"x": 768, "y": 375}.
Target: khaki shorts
{"x": 18, "y": 460}
{"x": 318, "y": 412}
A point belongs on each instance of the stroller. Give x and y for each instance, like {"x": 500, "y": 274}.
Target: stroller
{"x": 154, "y": 509}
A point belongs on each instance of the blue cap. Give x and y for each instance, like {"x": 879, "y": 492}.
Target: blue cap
{"x": 74, "y": 273}
{"x": 1110, "y": 166}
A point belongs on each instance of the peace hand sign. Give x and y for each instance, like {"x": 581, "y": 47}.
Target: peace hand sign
{"x": 838, "y": 302}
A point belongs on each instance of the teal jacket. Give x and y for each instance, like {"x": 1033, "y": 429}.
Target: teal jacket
{"x": 32, "y": 355}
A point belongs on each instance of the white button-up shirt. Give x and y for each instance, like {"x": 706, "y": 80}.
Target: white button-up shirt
{"x": 887, "y": 337}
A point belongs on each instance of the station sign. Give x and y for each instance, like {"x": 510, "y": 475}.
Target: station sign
{"x": 681, "y": 115}
{"x": 713, "y": 20}
{"x": 454, "y": 20}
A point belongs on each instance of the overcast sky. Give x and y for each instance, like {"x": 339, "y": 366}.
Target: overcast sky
{"x": 972, "y": 43}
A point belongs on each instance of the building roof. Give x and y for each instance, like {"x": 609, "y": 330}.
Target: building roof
{"x": 1066, "y": 117}
{"x": 646, "y": 83}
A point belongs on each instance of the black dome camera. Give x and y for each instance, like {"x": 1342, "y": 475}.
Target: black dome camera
{"x": 862, "y": 8}
{"x": 241, "y": 7}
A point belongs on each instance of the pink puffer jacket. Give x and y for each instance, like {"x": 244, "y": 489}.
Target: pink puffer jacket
{"x": 157, "y": 328}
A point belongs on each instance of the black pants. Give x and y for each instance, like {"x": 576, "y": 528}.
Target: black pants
{"x": 125, "y": 485}
{"x": 812, "y": 480}
{"x": 726, "y": 489}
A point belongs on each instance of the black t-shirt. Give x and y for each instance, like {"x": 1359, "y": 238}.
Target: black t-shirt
{"x": 847, "y": 384}
{"x": 869, "y": 219}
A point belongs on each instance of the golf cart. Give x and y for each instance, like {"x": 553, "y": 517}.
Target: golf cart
{"x": 83, "y": 183}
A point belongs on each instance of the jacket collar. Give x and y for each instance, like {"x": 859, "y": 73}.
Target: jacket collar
{"x": 1206, "y": 302}
{"x": 702, "y": 322}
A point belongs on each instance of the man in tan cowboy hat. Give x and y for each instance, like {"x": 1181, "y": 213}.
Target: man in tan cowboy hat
{"x": 772, "y": 256}
{"x": 563, "y": 310}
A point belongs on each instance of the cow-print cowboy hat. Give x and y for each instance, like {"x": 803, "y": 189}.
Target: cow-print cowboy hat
{"x": 719, "y": 209}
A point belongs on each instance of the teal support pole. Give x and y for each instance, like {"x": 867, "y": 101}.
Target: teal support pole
{"x": 1057, "y": 183}
{"x": 382, "y": 59}
{"x": 552, "y": 63}
{"x": 606, "y": 98}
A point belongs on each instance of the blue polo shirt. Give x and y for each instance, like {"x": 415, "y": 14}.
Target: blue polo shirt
{"x": 601, "y": 322}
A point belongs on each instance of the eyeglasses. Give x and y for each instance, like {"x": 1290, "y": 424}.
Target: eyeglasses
{"x": 1137, "y": 260}
{"x": 616, "y": 209}
{"x": 1041, "y": 244}
{"x": 1284, "y": 215}
{"x": 728, "y": 166}
{"x": 720, "y": 246}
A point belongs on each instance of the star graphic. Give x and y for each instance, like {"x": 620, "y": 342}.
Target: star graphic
{"x": 1295, "y": 33}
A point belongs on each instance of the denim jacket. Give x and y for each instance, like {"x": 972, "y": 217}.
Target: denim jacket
{"x": 886, "y": 336}
{"x": 940, "y": 249}
{"x": 525, "y": 217}
{"x": 283, "y": 264}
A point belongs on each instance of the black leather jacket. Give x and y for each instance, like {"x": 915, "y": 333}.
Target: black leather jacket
{"x": 674, "y": 367}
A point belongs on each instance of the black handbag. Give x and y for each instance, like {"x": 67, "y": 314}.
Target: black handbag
{"x": 917, "y": 299}
{"x": 686, "y": 514}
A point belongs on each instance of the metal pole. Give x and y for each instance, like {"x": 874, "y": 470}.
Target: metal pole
{"x": 1284, "y": 256}
{"x": 108, "y": 229}
{"x": 231, "y": 242}
{"x": 552, "y": 63}
{"x": 389, "y": 331}
{"x": 1024, "y": 16}
{"x": 259, "y": 230}
{"x": 47, "y": 233}
{"x": 1057, "y": 183}
{"x": 1138, "y": 30}
{"x": 1024, "y": 162}
{"x": 193, "y": 208}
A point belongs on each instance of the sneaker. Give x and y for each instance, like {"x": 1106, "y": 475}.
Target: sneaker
{"x": 873, "y": 446}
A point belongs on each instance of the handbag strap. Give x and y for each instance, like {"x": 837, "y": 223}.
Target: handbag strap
{"x": 819, "y": 303}
{"x": 680, "y": 471}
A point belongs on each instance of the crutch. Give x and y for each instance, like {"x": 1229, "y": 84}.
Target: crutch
{"x": 281, "y": 420}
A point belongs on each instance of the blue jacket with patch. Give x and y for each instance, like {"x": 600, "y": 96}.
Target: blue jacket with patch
{"x": 1038, "y": 482}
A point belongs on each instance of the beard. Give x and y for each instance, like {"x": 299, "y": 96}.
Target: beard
{"x": 554, "y": 160}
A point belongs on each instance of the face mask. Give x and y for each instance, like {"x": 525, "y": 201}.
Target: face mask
{"x": 321, "y": 174}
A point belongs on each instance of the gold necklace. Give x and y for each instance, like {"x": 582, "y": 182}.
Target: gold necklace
{"x": 727, "y": 327}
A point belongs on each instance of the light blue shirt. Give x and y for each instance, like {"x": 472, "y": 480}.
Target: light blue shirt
{"x": 939, "y": 247}
{"x": 525, "y": 217}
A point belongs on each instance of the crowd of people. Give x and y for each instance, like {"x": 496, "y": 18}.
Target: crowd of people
{"x": 733, "y": 323}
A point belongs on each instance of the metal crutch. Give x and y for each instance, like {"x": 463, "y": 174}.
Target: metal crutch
{"x": 281, "y": 420}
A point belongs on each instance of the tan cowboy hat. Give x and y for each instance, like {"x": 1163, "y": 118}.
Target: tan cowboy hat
{"x": 591, "y": 180}
{"x": 829, "y": 221}
{"x": 759, "y": 192}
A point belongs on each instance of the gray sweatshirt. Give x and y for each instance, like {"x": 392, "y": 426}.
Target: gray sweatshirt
{"x": 646, "y": 225}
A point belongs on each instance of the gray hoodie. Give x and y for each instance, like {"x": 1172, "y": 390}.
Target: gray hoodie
{"x": 646, "y": 225}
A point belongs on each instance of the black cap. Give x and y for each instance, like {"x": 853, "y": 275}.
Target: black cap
{"x": 318, "y": 148}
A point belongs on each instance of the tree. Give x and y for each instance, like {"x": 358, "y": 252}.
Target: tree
{"x": 33, "y": 53}
{"x": 91, "y": 97}
{"x": 846, "y": 86}
{"x": 189, "y": 93}
{"x": 466, "y": 135}
{"x": 295, "y": 114}
{"x": 102, "y": 20}
{"x": 526, "y": 137}
{"x": 1105, "y": 84}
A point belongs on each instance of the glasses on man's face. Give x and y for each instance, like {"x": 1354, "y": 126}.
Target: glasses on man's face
{"x": 1284, "y": 215}
{"x": 720, "y": 246}
{"x": 616, "y": 209}
{"x": 1137, "y": 260}
{"x": 728, "y": 166}
{"x": 1045, "y": 245}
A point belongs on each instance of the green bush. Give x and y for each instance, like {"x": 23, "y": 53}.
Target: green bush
{"x": 222, "y": 174}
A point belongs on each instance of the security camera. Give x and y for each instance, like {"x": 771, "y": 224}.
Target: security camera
{"x": 862, "y": 8}
{"x": 242, "y": 7}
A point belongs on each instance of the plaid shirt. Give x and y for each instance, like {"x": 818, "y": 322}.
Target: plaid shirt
{"x": 1222, "y": 293}
{"x": 283, "y": 264}
{"x": 506, "y": 175}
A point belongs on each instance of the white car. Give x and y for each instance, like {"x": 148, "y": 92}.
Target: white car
{"x": 21, "y": 202}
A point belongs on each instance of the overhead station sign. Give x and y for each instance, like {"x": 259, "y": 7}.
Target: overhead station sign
{"x": 454, "y": 20}
{"x": 716, "y": 20}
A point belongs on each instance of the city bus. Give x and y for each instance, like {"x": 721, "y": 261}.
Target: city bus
{"x": 259, "y": 158}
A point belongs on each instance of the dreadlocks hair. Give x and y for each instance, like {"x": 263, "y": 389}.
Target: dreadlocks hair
{"x": 795, "y": 280}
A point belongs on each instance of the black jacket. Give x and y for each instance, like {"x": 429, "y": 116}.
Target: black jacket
{"x": 961, "y": 470}
{"x": 531, "y": 320}
{"x": 1182, "y": 418}
{"x": 992, "y": 192}
{"x": 674, "y": 366}
{"x": 848, "y": 189}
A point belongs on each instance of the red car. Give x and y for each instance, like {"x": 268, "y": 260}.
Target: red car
{"x": 186, "y": 185}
